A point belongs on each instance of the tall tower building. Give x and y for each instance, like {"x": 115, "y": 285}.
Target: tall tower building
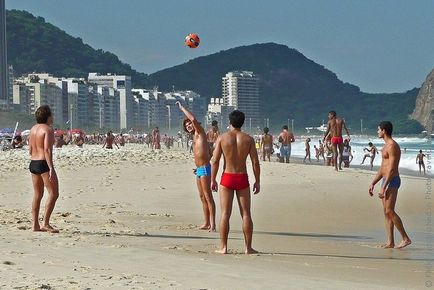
{"x": 4, "y": 69}
{"x": 123, "y": 85}
{"x": 241, "y": 91}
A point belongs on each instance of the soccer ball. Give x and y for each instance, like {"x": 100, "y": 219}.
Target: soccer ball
{"x": 192, "y": 40}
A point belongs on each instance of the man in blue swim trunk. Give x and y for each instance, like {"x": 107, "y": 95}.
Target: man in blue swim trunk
{"x": 203, "y": 167}
{"x": 389, "y": 174}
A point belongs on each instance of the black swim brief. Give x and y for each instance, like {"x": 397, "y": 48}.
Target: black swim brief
{"x": 38, "y": 166}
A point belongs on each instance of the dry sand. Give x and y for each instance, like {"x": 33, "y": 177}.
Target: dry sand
{"x": 129, "y": 217}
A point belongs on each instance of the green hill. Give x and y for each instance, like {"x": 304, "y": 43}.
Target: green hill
{"x": 291, "y": 85}
{"x": 37, "y": 46}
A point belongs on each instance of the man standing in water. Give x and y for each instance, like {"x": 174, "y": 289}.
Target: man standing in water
{"x": 41, "y": 141}
{"x": 334, "y": 127}
{"x": 203, "y": 170}
{"x": 389, "y": 174}
{"x": 235, "y": 147}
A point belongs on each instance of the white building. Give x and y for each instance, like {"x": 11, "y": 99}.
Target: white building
{"x": 219, "y": 112}
{"x": 123, "y": 85}
{"x": 241, "y": 91}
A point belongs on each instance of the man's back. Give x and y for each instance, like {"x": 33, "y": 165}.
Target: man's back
{"x": 336, "y": 127}
{"x": 37, "y": 138}
{"x": 236, "y": 146}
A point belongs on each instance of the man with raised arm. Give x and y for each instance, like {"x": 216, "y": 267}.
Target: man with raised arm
{"x": 334, "y": 128}
{"x": 41, "y": 141}
{"x": 389, "y": 174}
{"x": 235, "y": 146}
{"x": 203, "y": 170}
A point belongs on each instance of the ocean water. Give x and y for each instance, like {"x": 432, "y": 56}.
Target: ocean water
{"x": 412, "y": 146}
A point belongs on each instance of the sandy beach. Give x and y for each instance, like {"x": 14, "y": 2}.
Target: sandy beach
{"x": 129, "y": 219}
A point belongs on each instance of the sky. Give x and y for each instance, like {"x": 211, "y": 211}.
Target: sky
{"x": 380, "y": 46}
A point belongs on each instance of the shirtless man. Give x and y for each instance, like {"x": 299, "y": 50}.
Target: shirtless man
{"x": 389, "y": 174}
{"x": 211, "y": 136}
{"x": 266, "y": 144}
{"x": 41, "y": 141}
{"x": 109, "y": 140}
{"x": 203, "y": 168}
{"x": 419, "y": 160}
{"x": 235, "y": 147}
{"x": 285, "y": 138}
{"x": 334, "y": 127}
{"x": 156, "y": 138}
{"x": 372, "y": 152}
{"x": 307, "y": 150}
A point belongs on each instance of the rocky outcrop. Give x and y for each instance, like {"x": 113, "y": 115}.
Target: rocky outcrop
{"x": 424, "y": 110}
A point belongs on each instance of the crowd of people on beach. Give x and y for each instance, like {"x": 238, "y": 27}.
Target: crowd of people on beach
{"x": 208, "y": 148}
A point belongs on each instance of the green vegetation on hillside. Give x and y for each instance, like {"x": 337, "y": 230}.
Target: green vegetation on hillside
{"x": 37, "y": 46}
{"x": 291, "y": 85}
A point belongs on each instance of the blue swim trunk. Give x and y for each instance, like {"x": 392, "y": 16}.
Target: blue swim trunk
{"x": 394, "y": 183}
{"x": 203, "y": 171}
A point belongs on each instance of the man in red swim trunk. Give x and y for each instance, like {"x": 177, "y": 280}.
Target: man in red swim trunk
{"x": 235, "y": 147}
{"x": 334, "y": 128}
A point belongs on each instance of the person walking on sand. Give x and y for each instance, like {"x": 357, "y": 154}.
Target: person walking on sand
{"x": 307, "y": 149}
{"x": 389, "y": 174}
{"x": 266, "y": 144}
{"x": 334, "y": 127}
{"x": 285, "y": 138}
{"x": 419, "y": 160}
{"x": 235, "y": 146}
{"x": 156, "y": 138}
{"x": 203, "y": 170}
{"x": 41, "y": 141}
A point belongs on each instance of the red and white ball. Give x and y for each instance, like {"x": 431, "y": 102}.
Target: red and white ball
{"x": 192, "y": 40}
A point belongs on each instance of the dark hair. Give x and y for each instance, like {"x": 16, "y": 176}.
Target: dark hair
{"x": 420, "y": 151}
{"x": 184, "y": 122}
{"x": 266, "y": 130}
{"x": 370, "y": 144}
{"x": 214, "y": 123}
{"x": 236, "y": 119}
{"x": 42, "y": 114}
{"x": 333, "y": 113}
{"x": 285, "y": 127}
{"x": 386, "y": 126}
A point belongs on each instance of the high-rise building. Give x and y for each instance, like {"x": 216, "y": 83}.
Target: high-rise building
{"x": 4, "y": 69}
{"x": 219, "y": 112}
{"x": 241, "y": 91}
{"x": 123, "y": 85}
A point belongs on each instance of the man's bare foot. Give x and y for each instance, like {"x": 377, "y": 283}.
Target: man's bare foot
{"x": 204, "y": 227}
{"x": 387, "y": 246}
{"x": 404, "y": 243}
{"x": 250, "y": 251}
{"x": 212, "y": 229}
{"x": 50, "y": 229}
{"x": 37, "y": 229}
{"x": 222, "y": 251}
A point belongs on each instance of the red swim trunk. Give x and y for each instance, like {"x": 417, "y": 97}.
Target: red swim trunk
{"x": 235, "y": 181}
{"x": 337, "y": 140}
